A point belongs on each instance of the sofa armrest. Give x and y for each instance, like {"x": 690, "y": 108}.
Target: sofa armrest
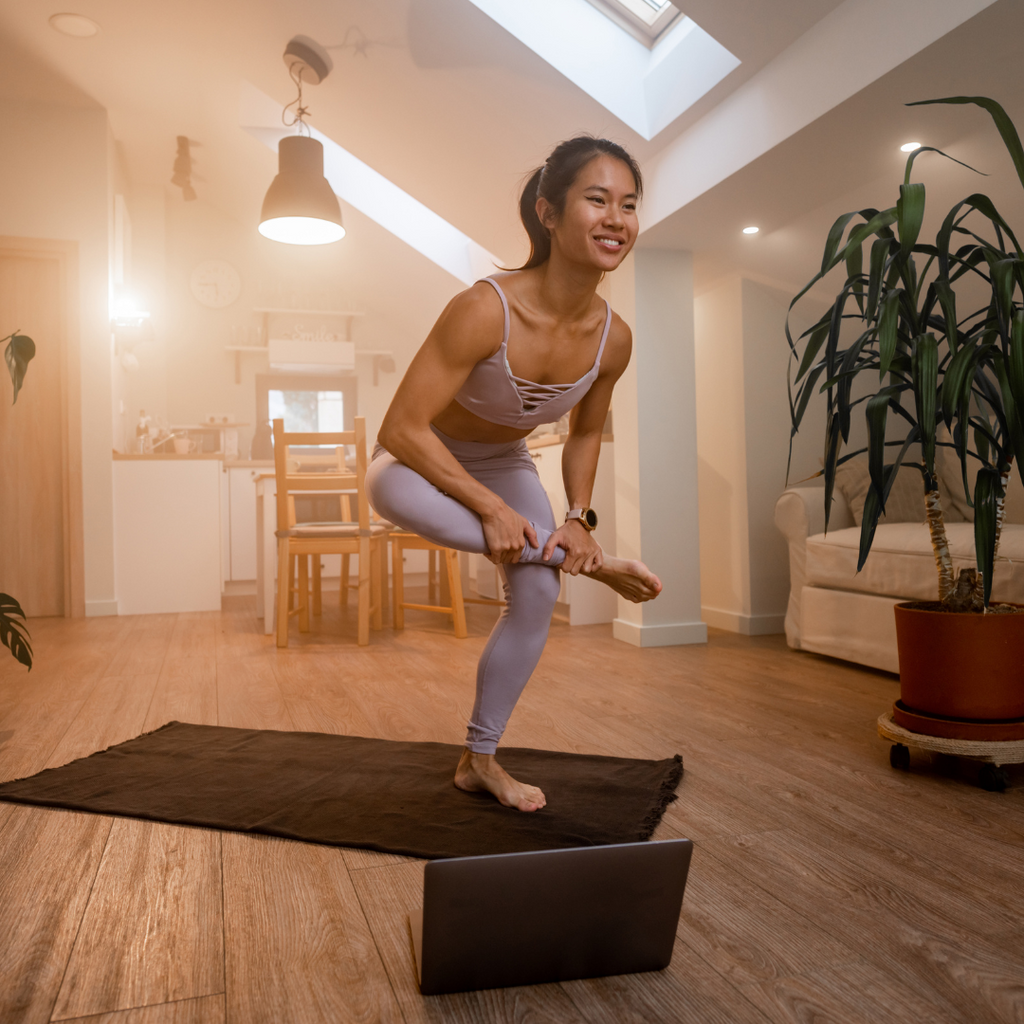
{"x": 799, "y": 514}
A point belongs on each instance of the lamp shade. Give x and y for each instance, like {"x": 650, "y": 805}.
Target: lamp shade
{"x": 301, "y": 207}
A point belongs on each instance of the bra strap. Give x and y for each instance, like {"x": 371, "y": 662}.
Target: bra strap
{"x": 504, "y": 306}
{"x": 604, "y": 337}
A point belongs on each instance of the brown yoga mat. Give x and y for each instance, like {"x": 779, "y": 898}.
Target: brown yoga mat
{"x": 352, "y": 791}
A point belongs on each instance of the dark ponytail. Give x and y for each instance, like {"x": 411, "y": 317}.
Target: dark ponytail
{"x": 553, "y": 181}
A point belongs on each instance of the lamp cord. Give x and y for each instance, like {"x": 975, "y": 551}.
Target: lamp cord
{"x": 301, "y": 112}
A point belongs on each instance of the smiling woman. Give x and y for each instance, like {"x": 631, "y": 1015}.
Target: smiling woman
{"x": 516, "y": 350}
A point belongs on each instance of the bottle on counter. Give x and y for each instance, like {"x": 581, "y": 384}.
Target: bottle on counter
{"x": 262, "y": 443}
{"x": 143, "y": 442}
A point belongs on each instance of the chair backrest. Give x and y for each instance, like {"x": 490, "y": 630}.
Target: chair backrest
{"x": 337, "y": 480}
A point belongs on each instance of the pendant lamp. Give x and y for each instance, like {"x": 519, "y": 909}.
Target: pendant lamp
{"x": 300, "y": 207}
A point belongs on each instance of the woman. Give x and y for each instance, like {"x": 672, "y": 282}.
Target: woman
{"x": 512, "y": 352}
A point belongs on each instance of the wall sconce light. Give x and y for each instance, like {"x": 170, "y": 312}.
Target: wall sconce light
{"x": 130, "y": 326}
{"x": 300, "y": 207}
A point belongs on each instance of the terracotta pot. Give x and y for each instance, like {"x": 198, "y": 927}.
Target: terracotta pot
{"x": 961, "y": 665}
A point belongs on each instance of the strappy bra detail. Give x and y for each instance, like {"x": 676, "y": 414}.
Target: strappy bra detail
{"x": 494, "y": 393}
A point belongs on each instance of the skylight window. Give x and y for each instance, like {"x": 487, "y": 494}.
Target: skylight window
{"x": 643, "y": 19}
{"x": 646, "y": 80}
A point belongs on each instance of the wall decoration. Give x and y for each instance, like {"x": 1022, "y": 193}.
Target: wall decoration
{"x": 215, "y": 283}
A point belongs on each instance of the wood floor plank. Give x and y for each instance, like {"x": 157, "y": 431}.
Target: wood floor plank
{"x": 854, "y": 993}
{"x": 152, "y": 931}
{"x": 207, "y": 1010}
{"x": 825, "y": 886}
{"x": 48, "y": 862}
{"x": 746, "y": 934}
{"x": 298, "y": 946}
{"x": 687, "y": 990}
{"x": 887, "y": 926}
{"x": 387, "y": 894}
{"x": 185, "y": 691}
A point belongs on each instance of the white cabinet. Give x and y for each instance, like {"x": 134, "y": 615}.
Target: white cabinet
{"x": 167, "y": 541}
{"x": 241, "y": 520}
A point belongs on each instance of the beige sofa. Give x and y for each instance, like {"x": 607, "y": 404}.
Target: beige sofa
{"x": 835, "y": 610}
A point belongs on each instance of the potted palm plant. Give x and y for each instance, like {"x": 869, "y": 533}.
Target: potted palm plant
{"x": 13, "y": 634}
{"x": 899, "y": 316}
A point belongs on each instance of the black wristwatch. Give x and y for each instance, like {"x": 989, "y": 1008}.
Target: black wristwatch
{"x": 587, "y": 518}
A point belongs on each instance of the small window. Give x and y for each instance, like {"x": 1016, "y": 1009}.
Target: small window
{"x": 646, "y": 20}
{"x": 307, "y": 402}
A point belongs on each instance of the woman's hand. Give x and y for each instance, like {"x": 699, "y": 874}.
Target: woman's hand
{"x": 507, "y": 533}
{"x": 582, "y": 552}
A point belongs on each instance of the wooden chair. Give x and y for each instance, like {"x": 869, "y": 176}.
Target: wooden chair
{"x": 402, "y": 540}
{"x": 299, "y": 540}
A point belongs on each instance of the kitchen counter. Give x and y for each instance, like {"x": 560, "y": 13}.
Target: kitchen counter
{"x": 164, "y": 456}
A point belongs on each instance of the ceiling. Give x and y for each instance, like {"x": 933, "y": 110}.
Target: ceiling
{"x": 850, "y": 159}
{"x": 441, "y": 100}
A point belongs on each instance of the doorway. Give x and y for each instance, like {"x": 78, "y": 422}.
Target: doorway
{"x": 41, "y": 550}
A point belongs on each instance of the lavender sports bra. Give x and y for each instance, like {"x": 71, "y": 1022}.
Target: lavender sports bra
{"x": 495, "y": 394}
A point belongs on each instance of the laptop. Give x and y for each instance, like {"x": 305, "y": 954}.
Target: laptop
{"x": 548, "y": 915}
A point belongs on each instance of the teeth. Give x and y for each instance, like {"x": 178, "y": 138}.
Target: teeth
{"x": 610, "y": 241}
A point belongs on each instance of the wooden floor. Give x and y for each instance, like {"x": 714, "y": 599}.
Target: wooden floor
{"x": 825, "y": 886}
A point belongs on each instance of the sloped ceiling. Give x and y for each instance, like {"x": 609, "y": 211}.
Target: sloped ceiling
{"x": 440, "y": 99}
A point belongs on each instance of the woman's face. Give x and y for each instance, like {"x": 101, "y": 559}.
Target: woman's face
{"x": 598, "y": 225}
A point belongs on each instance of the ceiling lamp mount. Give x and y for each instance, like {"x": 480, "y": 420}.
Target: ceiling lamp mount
{"x": 307, "y": 60}
{"x": 300, "y": 207}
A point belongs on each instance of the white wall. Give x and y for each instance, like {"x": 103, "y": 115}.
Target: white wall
{"x": 743, "y": 430}
{"x": 655, "y": 447}
{"x": 55, "y": 180}
{"x": 184, "y": 373}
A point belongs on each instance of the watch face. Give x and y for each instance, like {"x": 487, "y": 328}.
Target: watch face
{"x": 590, "y": 518}
{"x": 215, "y": 283}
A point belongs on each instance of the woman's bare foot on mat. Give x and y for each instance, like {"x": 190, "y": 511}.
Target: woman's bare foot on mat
{"x": 628, "y": 577}
{"x": 481, "y": 773}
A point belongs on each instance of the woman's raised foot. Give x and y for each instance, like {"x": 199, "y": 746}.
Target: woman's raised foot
{"x": 481, "y": 773}
{"x": 628, "y": 577}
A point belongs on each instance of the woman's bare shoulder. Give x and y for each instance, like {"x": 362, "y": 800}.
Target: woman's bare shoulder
{"x": 619, "y": 345}
{"x": 474, "y": 322}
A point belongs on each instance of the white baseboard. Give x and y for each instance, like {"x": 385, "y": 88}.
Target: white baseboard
{"x": 748, "y": 625}
{"x": 94, "y": 609}
{"x": 671, "y": 635}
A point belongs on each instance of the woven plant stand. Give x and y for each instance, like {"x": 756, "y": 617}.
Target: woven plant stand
{"x": 992, "y": 754}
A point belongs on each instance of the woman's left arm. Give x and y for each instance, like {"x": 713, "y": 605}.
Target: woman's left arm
{"x": 581, "y": 452}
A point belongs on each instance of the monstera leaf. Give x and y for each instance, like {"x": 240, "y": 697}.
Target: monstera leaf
{"x": 17, "y": 355}
{"x": 13, "y": 633}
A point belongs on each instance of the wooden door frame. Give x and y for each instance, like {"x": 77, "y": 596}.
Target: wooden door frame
{"x": 66, "y": 256}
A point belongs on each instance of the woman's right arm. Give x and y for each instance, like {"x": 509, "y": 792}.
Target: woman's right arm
{"x": 469, "y": 329}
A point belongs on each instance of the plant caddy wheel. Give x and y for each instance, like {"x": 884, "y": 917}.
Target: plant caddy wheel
{"x": 992, "y": 754}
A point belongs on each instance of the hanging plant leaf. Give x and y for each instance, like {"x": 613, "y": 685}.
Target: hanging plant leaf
{"x": 13, "y": 634}
{"x": 925, "y": 363}
{"x": 1006, "y": 127}
{"x": 17, "y": 356}
{"x": 987, "y": 489}
{"x": 909, "y": 216}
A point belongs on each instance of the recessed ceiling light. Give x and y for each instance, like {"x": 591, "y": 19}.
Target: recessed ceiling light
{"x": 77, "y": 25}
{"x": 909, "y": 147}
{"x": 751, "y": 230}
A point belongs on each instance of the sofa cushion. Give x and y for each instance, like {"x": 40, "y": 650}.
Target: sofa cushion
{"x": 906, "y": 497}
{"x": 901, "y": 563}
{"x": 947, "y": 465}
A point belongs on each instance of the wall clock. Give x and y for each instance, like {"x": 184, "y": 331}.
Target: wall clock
{"x": 215, "y": 283}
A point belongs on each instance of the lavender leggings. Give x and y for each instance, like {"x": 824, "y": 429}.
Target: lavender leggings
{"x": 405, "y": 498}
